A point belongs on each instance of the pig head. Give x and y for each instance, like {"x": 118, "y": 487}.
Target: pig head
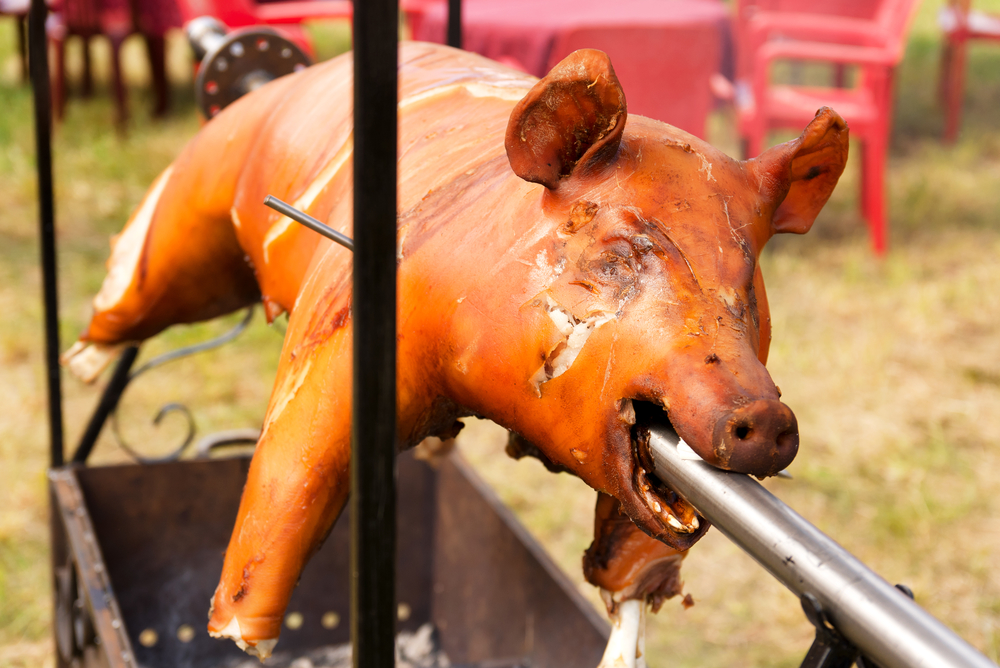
{"x": 635, "y": 291}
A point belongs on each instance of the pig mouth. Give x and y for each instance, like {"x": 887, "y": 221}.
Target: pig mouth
{"x": 678, "y": 518}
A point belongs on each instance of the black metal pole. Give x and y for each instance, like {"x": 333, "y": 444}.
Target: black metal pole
{"x": 38, "y": 59}
{"x": 106, "y": 406}
{"x": 455, "y": 23}
{"x": 373, "y": 458}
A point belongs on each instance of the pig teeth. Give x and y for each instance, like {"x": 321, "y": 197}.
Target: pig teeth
{"x": 676, "y": 524}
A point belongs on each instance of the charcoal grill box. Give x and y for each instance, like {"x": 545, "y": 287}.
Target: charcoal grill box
{"x": 138, "y": 551}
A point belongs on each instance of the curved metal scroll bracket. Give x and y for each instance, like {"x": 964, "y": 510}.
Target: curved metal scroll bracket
{"x": 111, "y": 399}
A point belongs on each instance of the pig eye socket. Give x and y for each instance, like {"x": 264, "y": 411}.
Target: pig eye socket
{"x": 608, "y": 264}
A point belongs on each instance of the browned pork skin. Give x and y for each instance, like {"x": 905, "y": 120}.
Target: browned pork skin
{"x": 559, "y": 261}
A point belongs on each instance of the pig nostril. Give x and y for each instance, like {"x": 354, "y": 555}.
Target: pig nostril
{"x": 742, "y": 432}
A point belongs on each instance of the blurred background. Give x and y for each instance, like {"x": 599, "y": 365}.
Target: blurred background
{"x": 891, "y": 363}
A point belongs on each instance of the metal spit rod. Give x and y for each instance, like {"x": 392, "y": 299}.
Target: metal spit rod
{"x": 313, "y": 224}
{"x": 880, "y": 620}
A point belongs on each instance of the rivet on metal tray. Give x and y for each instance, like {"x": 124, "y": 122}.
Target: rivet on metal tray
{"x": 185, "y": 633}
{"x": 148, "y": 637}
{"x": 294, "y": 620}
{"x": 236, "y": 49}
{"x": 330, "y": 620}
{"x": 403, "y": 611}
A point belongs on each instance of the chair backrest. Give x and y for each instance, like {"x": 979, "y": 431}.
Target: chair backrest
{"x": 96, "y": 17}
{"x": 233, "y": 13}
{"x": 855, "y": 9}
{"x": 895, "y": 17}
{"x": 890, "y": 18}
{"x": 81, "y": 16}
{"x": 663, "y": 79}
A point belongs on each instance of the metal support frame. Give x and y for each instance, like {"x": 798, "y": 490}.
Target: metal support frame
{"x": 878, "y": 619}
{"x": 455, "y": 23}
{"x": 106, "y": 405}
{"x": 373, "y": 424}
{"x": 38, "y": 57}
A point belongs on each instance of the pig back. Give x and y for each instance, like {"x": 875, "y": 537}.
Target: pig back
{"x": 453, "y": 109}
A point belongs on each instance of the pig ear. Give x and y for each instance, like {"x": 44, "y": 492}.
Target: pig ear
{"x": 809, "y": 167}
{"x": 571, "y": 119}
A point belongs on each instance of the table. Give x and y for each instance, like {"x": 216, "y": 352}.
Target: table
{"x": 663, "y": 51}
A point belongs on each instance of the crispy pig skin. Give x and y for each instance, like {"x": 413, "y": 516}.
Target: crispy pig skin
{"x": 557, "y": 260}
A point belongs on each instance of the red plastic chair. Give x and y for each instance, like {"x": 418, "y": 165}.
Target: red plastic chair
{"x": 643, "y": 63}
{"x": 869, "y": 34}
{"x": 88, "y": 19}
{"x": 19, "y": 10}
{"x": 288, "y": 15}
{"x": 413, "y": 12}
{"x": 960, "y": 24}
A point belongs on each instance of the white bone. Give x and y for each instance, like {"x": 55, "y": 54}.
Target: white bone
{"x": 261, "y": 649}
{"x": 627, "y": 643}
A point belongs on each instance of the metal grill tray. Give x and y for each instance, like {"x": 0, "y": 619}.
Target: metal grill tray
{"x": 148, "y": 541}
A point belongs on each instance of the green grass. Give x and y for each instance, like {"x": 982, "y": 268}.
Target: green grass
{"x": 892, "y": 367}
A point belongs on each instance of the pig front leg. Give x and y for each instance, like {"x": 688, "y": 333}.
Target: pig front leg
{"x": 627, "y": 643}
{"x": 633, "y": 571}
{"x": 297, "y": 484}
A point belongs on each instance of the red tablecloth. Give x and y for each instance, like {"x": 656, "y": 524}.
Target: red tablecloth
{"x": 664, "y": 51}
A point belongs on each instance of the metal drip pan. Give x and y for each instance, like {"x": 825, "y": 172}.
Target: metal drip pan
{"x": 144, "y": 546}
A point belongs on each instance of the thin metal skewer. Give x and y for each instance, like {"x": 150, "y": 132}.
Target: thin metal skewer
{"x": 309, "y": 221}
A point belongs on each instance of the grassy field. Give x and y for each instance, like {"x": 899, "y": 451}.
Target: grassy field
{"x": 892, "y": 367}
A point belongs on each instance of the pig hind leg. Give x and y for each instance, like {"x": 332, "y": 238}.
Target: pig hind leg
{"x": 173, "y": 263}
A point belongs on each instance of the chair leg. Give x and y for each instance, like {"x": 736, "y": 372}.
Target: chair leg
{"x": 157, "y": 52}
{"x": 87, "y": 85}
{"x": 839, "y": 75}
{"x": 954, "y": 90}
{"x": 943, "y": 69}
{"x": 59, "y": 78}
{"x": 118, "y": 83}
{"x": 753, "y": 144}
{"x": 873, "y": 156}
{"x": 22, "y": 46}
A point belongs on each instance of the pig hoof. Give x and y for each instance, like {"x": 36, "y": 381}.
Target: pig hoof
{"x": 86, "y": 361}
{"x": 260, "y": 649}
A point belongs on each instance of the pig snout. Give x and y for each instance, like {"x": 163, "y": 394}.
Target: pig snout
{"x": 759, "y": 438}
